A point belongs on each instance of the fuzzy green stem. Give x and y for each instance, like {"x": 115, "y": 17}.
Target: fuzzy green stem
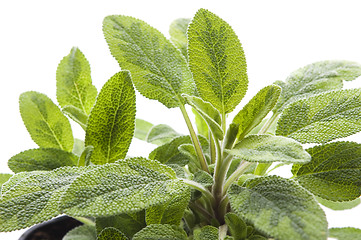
{"x": 222, "y": 231}
{"x": 243, "y": 166}
{"x": 212, "y": 148}
{"x": 195, "y": 140}
{"x": 200, "y": 188}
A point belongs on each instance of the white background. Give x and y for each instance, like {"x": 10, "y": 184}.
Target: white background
{"x": 277, "y": 36}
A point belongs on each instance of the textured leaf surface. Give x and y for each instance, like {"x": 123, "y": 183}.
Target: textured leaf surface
{"x": 123, "y": 187}
{"x": 47, "y": 125}
{"x": 73, "y": 82}
{"x": 347, "y": 233}
{"x": 217, "y": 61}
{"x": 323, "y": 117}
{"x": 279, "y": 207}
{"x": 111, "y": 233}
{"x": 206, "y": 233}
{"x": 210, "y": 115}
{"x": 178, "y": 34}
{"x": 268, "y": 148}
{"x": 161, "y": 232}
{"x": 128, "y": 224}
{"x": 111, "y": 122}
{"x": 4, "y": 177}
{"x": 84, "y": 232}
{"x": 161, "y": 134}
{"x": 316, "y": 78}
{"x": 41, "y": 159}
{"x": 236, "y": 226}
{"x": 34, "y": 198}
{"x": 256, "y": 109}
{"x": 334, "y": 172}
{"x": 159, "y": 70}
{"x": 170, "y": 212}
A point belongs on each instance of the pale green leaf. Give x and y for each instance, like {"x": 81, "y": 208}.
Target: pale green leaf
{"x": 279, "y": 207}
{"x": 161, "y": 134}
{"x": 334, "y": 172}
{"x": 76, "y": 114}
{"x": 15, "y": 179}
{"x": 78, "y": 147}
{"x": 346, "y": 233}
{"x": 73, "y": 82}
{"x": 323, "y": 117}
{"x": 84, "y": 232}
{"x": 111, "y": 233}
{"x": 202, "y": 127}
{"x": 268, "y": 148}
{"x": 256, "y": 110}
{"x": 178, "y": 34}
{"x": 41, "y": 159}
{"x": 206, "y": 233}
{"x": 159, "y": 70}
{"x": 111, "y": 122}
{"x": 161, "y": 232}
{"x": 210, "y": 115}
{"x": 84, "y": 159}
{"x": 123, "y": 187}
{"x": 128, "y": 224}
{"x": 47, "y": 125}
{"x": 338, "y": 206}
{"x": 170, "y": 212}
{"x": 316, "y": 78}
{"x": 217, "y": 61}
{"x": 142, "y": 128}
{"x": 4, "y": 177}
{"x": 35, "y": 197}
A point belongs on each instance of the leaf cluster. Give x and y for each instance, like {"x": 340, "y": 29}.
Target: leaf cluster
{"x": 214, "y": 182}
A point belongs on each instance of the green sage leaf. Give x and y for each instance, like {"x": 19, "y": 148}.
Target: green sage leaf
{"x": 111, "y": 122}
{"x": 142, "y": 128}
{"x": 73, "y": 82}
{"x": 267, "y": 148}
{"x": 316, "y": 78}
{"x": 76, "y": 114}
{"x": 47, "y": 125}
{"x": 178, "y": 34}
{"x": 35, "y": 198}
{"x": 279, "y": 207}
{"x": 161, "y": 232}
{"x": 346, "y": 233}
{"x": 237, "y": 227}
{"x": 338, "y": 206}
{"x": 159, "y": 70}
{"x": 217, "y": 61}
{"x": 256, "y": 110}
{"x": 334, "y": 172}
{"x": 84, "y": 232}
{"x": 161, "y": 134}
{"x": 111, "y": 233}
{"x": 123, "y": 187}
{"x": 128, "y": 224}
{"x": 210, "y": 115}
{"x": 201, "y": 125}
{"x": 42, "y": 159}
{"x": 323, "y": 117}
{"x": 4, "y": 177}
{"x": 206, "y": 233}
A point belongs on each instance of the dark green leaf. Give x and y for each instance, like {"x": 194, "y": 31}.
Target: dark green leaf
{"x": 161, "y": 232}
{"x": 178, "y": 34}
{"x": 279, "y": 207}
{"x": 347, "y": 233}
{"x": 73, "y": 82}
{"x": 323, "y": 117}
{"x": 111, "y": 122}
{"x": 206, "y": 233}
{"x": 128, "y": 224}
{"x": 111, "y": 233}
{"x": 84, "y": 232}
{"x": 123, "y": 187}
{"x": 159, "y": 70}
{"x": 316, "y": 78}
{"x": 41, "y": 159}
{"x": 256, "y": 109}
{"x": 217, "y": 61}
{"x": 47, "y": 125}
{"x": 334, "y": 172}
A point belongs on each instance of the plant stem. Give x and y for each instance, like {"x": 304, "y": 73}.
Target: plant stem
{"x": 212, "y": 148}
{"x": 200, "y": 188}
{"x": 195, "y": 140}
{"x": 222, "y": 231}
{"x": 201, "y": 210}
{"x": 243, "y": 166}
